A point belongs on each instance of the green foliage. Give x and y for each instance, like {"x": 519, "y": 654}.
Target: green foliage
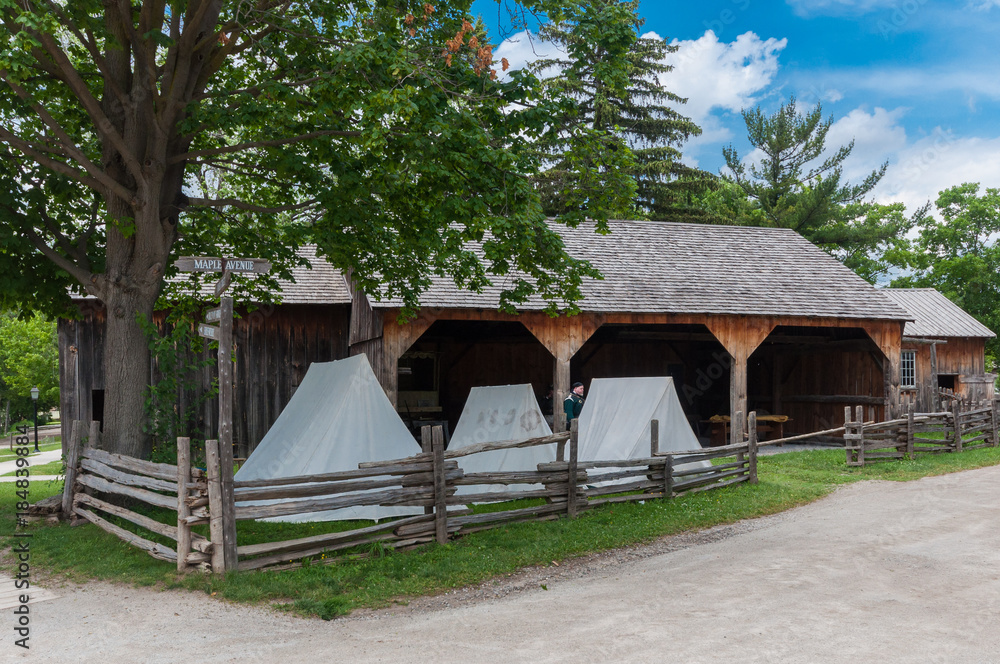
{"x": 177, "y": 353}
{"x": 377, "y": 130}
{"x": 958, "y": 253}
{"x": 798, "y": 184}
{"x": 628, "y": 106}
{"x": 29, "y": 357}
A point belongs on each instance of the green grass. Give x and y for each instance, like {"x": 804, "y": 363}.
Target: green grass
{"x": 786, "y": 480}
{"x": 51, "y": 468}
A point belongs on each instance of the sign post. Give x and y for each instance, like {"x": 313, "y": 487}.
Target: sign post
{"x": 223, "y": 333}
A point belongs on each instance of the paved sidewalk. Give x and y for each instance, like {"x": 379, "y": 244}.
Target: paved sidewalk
{"x": 39, "y": 459}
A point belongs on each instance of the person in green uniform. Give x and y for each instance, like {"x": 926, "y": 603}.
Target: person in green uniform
{"x": 573, "y": 404}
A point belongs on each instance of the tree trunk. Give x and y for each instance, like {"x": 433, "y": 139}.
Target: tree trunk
{"x": 127, "y": 372}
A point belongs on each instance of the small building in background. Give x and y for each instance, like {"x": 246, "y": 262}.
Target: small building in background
{"x": 944, "y": 349}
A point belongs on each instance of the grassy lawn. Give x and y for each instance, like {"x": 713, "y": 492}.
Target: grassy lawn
{"x": 43, "y": 446}
{"x": 786, "y": 480}
{"x": 51, "y": 468}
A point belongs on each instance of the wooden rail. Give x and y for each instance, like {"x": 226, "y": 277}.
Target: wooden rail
{"x": 173, "y": 487}
{"x": 432, "y": 479}
{"x": 965, "y": 426}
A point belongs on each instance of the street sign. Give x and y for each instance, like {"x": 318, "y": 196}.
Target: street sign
{"x": 214, "y": 264}
{"x": 213, "y": 315}
{"x": 227, "y": 278}
{"x": 208, "y": 331}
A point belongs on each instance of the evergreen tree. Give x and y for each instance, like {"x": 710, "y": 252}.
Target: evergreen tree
{"x": 630, "y": 105}
{"x": 799, "y": 184}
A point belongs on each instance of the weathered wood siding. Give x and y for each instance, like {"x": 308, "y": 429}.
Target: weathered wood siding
{"x": 273, "y": 348}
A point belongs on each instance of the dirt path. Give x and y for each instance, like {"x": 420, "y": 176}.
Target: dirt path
{"x": 900, "y": 572}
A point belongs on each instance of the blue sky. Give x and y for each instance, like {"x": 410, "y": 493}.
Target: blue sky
{"x": 913, "y": 82}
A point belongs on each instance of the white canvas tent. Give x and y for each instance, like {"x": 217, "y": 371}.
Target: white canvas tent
{"x": 338, "y": 417}
{"x": 614, "y": 422}
{"x": 496, "y": 414}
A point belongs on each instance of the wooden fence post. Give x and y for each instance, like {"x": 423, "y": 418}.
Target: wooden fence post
{"x": 668, "y": 476}
{"x": 72, "y": 463}
{"x": 654, "y": 437}
{"x": 225, "y": 359}
{"x": 752, "y": 446}
{"x": 427, "y": 447}
{"x": 440, "y": 490}
{"x": 859, "y": 422}
{"x": 183, "y": 511}
{"x": 574, "y": 439}
{"x": 910, "y": 426}
{"x": 993, "y": 422}
{"x": 738, "y": 420}
{"x": 215, "y": 506}
{"x": 956, "y": 411}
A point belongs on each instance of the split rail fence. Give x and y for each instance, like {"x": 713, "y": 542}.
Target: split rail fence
{"x": 180, "y": 488}
{"x": 432, "y": 480}
{"x": 966, "y": 426}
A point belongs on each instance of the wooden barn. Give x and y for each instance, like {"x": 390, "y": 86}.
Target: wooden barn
{"x": 273, "y": 347}
{"x": 943, "y": 348}
{"x": 742, "y": 318}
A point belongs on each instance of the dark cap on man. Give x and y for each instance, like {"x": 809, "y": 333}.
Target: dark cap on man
{"x": 577, "y": 384}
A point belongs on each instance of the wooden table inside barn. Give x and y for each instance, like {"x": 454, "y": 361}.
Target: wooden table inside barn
{"x": 769, "y": 427}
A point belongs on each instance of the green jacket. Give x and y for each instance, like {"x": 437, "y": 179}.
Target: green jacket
{"x": 572, "y": 406}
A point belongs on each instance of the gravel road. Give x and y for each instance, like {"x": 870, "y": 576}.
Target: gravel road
{"x": 897, "y": 572}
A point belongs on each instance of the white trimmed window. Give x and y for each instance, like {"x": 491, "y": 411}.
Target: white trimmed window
{"x": 908, "y": 369}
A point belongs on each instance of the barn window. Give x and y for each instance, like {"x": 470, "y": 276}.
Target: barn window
{"x": 908, "y": 368}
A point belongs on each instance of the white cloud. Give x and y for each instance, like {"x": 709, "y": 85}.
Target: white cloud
{"x": 712, "y": 75}
{"x": 718, "y": 75}
{"x": 937, "y": 161}
{"x": 877, "y": 137}
{"x": 523, "y": 48}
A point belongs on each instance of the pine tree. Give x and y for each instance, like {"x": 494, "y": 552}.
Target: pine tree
{"x": 798, "y": 183}
{"x": 633, "y": 109}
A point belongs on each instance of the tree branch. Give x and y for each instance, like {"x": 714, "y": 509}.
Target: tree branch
{"x": 103, "y": 125}
{"x": 186, "y": 156}
{"x": 85, "y": 277}
{"x": 236, "y": 203}
{"x": 102, "y": 184}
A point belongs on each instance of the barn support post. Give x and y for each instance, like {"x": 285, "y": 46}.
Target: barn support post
{"x": 740, "y": 336}
{"x": 888, "y": 336}
{"x": 930, "y": 404}
{"x": 396, "y": 339}
{"x": 562, "y": 337}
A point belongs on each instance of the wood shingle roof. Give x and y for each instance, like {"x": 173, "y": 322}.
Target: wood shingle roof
{"x": 935, "y": 315}
{"x": 653, "y": 267}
